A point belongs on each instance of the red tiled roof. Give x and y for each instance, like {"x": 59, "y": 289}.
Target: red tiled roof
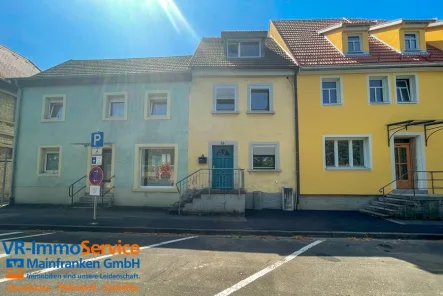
{"x": 311, "y": 49}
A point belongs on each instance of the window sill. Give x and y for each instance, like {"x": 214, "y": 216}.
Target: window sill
{"x": 380, "y": 103}
{"x": 154, "y": 189}
{"x": 263, "y": 171}
{"x": 52, "y": 120}
{"x": 336, "y": 104}
{"x": 406, "y": 103}
{"x": 347, "y": 169}
{"x": 225, "y": 112}
{"x": 115, "y": 118}
{"x": 48, "y": 175}
{"x": 157, "y": 117}
{"x": 261, "y": 112}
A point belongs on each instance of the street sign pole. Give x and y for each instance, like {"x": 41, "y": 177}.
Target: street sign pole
{"x": 96, "y": 173}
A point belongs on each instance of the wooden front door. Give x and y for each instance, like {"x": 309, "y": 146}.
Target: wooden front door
{"x": 223, "y": 164}
{"x": 403, "y": 166}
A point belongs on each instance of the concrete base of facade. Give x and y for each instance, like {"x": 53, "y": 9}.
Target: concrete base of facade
{"x": 122, "y": 197}
{"x": 334, "y": 202}
{"x": 216, "y": 204}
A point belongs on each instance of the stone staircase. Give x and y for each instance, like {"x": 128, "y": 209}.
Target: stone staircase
{"x": 405, "y": 205}
{"x": 87, "y": 201}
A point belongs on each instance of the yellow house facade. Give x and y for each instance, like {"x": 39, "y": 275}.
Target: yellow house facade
{"x": 241, "y": 107}
{"x": 369, "y": 111}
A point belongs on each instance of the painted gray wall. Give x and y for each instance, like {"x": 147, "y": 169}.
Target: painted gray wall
{"x": 83, "y": 115}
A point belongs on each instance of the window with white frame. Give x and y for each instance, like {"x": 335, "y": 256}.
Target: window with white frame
{"x": 264, "y": 156}
{"x": 157, "y": 167}
{"x": 354, "y": 43}
{"x": 244, "y": 49}
{"x": 331, "y": 91}
{"x": 158, "y": 105}
{"x": 115, "y": 106}
{"x": 260, "y": 98}
{"x": 411, "y": 41}
{"x": 406, "y": 89}
{"x": 49, "y": 160}
{"x": 53, "y": 108}
{"x": 347, "y": 152}
{"x": 225, "y": 98}
{"x": 378, "y": 89}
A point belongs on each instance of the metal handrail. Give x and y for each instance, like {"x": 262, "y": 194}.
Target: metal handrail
{"x": 201, "y": 180}
{"x": 382, "y": 190}
{"x": 102, "y": 193}
{"x": 71, "y": 189}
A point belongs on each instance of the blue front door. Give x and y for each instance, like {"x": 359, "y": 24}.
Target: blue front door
{"x": 223, "y": 164}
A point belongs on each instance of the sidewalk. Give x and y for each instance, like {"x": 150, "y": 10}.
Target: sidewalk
{"x": 265, "y": 222}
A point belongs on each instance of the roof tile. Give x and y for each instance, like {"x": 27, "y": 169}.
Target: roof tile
{"x": 311, "y": 49}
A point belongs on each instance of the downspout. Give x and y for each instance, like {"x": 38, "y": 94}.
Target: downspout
{"x": 297, "y": 139}
{"x": 15, "y": 143}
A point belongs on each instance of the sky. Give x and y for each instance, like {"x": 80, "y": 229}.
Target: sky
{"x": 49, "y": 32}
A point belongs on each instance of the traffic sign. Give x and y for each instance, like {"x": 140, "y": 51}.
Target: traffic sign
{"x": 96, "y": 151}
{"x": 94, "y": 190}
{"x": 96, "y": 176}
{"x": 96, "y": 160}
{"x": 97, "y": 139}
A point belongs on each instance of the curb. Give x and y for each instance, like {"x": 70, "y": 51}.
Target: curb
{"x": 240, "y": 232}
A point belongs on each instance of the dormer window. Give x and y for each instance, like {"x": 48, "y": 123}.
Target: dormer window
{"x": 411, "y": 41}
{"x": 354, "y": 43}
{"x": 244, "y": 49}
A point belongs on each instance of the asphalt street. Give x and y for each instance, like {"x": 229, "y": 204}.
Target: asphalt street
{"x": 222, "y": 265}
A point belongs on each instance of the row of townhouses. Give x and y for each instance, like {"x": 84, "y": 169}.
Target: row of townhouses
{"x": 311, "y": 114}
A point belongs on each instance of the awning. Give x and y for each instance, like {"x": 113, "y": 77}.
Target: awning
{"x": 430, "y": 127}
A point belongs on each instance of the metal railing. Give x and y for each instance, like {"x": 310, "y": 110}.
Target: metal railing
{"x": 421, "y": 180}
{"x": 71, "y": 189}
{"x": 210, "y": 180}
{"x": 102, "y": 187}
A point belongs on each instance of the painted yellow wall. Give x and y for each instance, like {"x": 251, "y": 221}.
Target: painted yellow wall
{"x": 336, "y": 37}
{"x": 273, "y": 33}
{"x": 340, "y": 39}
{"x": 434, "y": 36}
{"x": 357, "y": 117}
{"x": 395, "y": 36}
{"x": 391, "y": 36}
{"x": 243, "y": 128}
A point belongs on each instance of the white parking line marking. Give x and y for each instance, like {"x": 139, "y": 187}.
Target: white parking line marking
{"x": 266, "y": 270}
{"x": 10, "y": 233}
{"x": 103, "y": 257}
{"x": 40, "y": 234}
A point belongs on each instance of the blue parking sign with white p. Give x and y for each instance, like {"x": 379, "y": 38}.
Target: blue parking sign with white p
{"x": 97, "y": 139}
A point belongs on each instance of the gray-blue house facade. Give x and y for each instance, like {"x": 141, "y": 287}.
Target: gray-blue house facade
{"x": 141, "y": 105}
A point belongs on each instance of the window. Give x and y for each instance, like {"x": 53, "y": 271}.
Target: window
{"x": 115, "y": 106}
{"x": 411, "y": 41}
{"x": 347, "y": 152}
{"x": 157, "y": 105}
{"x": 225, "y": 99}
{"x": 354, "y": 43}
{"x": 406, "y": 89}
{"x": 331, "y": 91}
{"x": 378, "y": 89}
{"x": 53, "y": 108}
{"x": 157, "y": 166}
{"x": 49, "y": 160}
{"x": 260, "y": 99}
{"x": 264, "y": 157}
{"x": 244, "y": 49}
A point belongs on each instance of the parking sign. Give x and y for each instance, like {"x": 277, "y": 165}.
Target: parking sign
{"x": 97, "y": 139}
